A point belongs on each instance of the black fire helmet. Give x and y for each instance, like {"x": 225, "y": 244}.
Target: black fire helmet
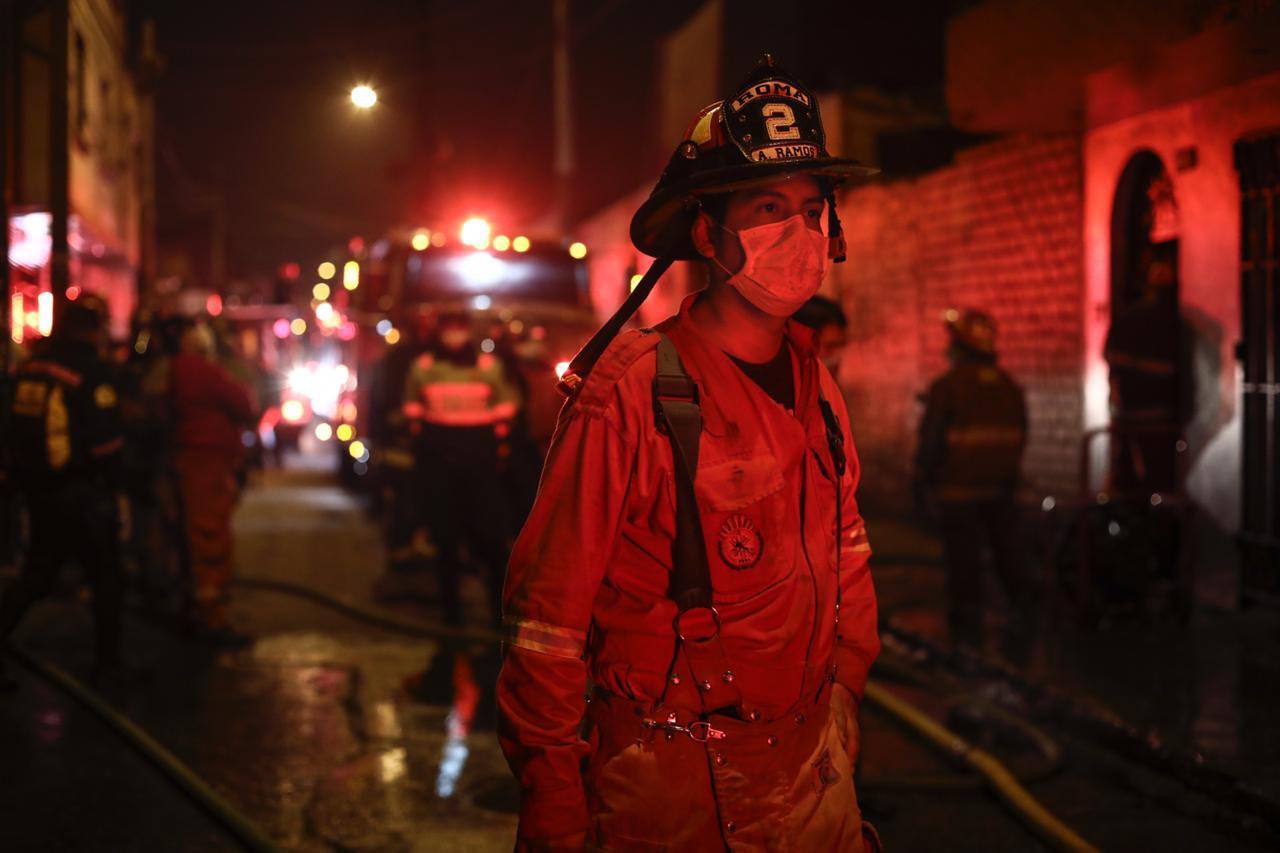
{"x": 768, "y": 128}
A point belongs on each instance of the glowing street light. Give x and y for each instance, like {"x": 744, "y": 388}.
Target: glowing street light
{"x": 520, "y": 244}
{"x": 577, "y": 251}
{"x": 351, "y": 275}
{"x": 320, "y": 291}
{"x": 364, "y": 97}
{"x": 326, "y": 270}
{"x": 421, "y": 240}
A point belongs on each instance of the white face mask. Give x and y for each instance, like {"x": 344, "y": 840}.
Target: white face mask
{"x": 784, "y": 266}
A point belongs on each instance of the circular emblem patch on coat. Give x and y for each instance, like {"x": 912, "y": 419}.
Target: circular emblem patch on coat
{"x": 740, "y": 543}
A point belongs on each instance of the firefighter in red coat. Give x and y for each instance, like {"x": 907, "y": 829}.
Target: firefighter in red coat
{"x": 696, "y": 551}
{"x": 211, "y": 408}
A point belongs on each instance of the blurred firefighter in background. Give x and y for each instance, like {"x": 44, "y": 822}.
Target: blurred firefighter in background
{"x": 211, "y": 409}
{"x": 399, "y": 493}
{"x": 969, "y": 460}
{"x": 1142, "y": 351}
{"x": 65, "y": 444}
{"x": 831, "y": 328}
{"x": 156, "y": 549}
{"x": 461, "y": 404}
{"x": 248, "y": 370}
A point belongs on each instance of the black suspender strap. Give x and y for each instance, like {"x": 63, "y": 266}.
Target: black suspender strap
{"x": 835, "y": 436}
{"x": 697, "y": 624}
{"x": 835, "y": 443}
{"x": 586, "y": 358}
{"x": 675, "y": 404}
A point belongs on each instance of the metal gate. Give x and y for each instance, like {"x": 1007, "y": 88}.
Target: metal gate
{"x": 1258, "y": 162}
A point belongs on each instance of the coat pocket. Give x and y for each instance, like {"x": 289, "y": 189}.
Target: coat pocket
{"x": 744, "y": 523}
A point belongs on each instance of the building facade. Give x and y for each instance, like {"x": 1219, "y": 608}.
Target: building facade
{"x": 1116, "y": 136}
{"x": 82, "y": 183}
{"x": 1139, "y": 134}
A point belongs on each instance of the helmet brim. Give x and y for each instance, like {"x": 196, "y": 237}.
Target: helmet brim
{"x": 662, "y": 224}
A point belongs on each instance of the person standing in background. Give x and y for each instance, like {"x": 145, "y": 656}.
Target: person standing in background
{"x": 461, "y": 405}
{"x": 65, "y": 442}
{"x": 829, "y": 324}
{"x": 211, "y": 409}
{"x": 969, "y": 460}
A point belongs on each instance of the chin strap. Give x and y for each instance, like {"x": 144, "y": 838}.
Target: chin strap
{"x": 836, "y": 246}
{"x": 590, "y": 353}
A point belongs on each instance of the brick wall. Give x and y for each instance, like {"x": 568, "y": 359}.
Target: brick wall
{"x": 1001, "y": 230}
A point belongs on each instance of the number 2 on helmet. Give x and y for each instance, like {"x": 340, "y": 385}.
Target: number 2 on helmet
{"x": 780, "y": 122}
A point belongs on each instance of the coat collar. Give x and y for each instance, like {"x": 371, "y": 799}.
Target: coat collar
{"x": 803, "y": 340}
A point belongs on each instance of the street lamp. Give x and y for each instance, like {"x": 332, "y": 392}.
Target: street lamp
{"x": 364, "y": 97}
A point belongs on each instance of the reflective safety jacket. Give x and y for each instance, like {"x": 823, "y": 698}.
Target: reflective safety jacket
{"x": 66, "y": 422}
{"x": 587, "y": 585}
{"x": 445, "y": 393}
{"x": 973, "y": 433}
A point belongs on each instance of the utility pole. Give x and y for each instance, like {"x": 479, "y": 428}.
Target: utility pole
{"x": 563, "y": 113}
{"x": 59, "y": 149}
{"x": 8, "y": 120}
{"x": 9, "y": 28}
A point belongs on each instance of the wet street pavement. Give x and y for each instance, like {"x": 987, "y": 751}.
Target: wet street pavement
{"x": 310, "y": 733}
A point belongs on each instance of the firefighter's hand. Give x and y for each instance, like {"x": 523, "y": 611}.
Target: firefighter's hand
{"x": 844, "y": 711}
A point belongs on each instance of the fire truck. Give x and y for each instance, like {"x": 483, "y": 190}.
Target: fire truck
{"x": 527, "y": 299}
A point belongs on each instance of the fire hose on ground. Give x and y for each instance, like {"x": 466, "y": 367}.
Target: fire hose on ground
{"x": 997, "y": 777}
{"x": 244, "y": 830}
{"x": 1001, "y": 782}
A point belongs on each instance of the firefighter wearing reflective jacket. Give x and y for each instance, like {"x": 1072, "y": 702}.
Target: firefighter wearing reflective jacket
{"x": 723, "y": 714}
{"x": 969, "y": 457}
{"x": 65, "y": 444}
{"x": 461, "y": 405}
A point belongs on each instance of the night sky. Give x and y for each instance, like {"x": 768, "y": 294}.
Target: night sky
{"x": 254, "y": 116}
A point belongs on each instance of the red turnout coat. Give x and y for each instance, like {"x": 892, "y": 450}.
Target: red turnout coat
{"x": 586, "y": 598}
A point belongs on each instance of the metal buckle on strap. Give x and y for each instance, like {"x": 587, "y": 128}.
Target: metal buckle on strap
{"x": 672, "y": 388}
{"x": 698, "y": 730}
{"x": 669, "y": 386}
{"x": 679, "y": 624}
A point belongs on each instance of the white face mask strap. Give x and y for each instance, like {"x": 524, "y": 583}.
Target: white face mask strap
{"x": 715, "y": 259}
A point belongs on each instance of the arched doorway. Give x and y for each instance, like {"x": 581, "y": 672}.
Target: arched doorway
{"x": 1143, "y": 351}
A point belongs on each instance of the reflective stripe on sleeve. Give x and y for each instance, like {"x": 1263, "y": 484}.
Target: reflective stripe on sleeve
{"x": 858, "y": 537}
{"x": 984, "y": 436}
{"x": 541, "y": 637}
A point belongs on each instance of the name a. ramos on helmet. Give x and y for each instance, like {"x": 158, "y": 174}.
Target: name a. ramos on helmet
{"x": 785, "y": 152}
